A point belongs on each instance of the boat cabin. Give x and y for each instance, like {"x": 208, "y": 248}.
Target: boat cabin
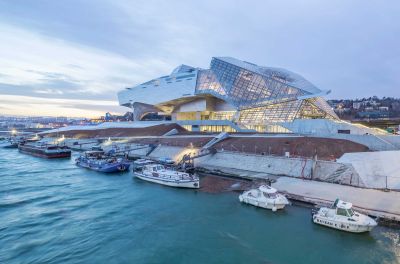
{"x": 343, "y": 208}
{"x": 154, "y": 167}
{"x": 94, "y": 154}
{"x": 143, "y": 162}
{"x": 165, "y": 160}
{"x": 268, "y": 191}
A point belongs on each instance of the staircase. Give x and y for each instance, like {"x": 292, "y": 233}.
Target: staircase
{"x": 152, "y": 148}
{"x": 221, "y": 136}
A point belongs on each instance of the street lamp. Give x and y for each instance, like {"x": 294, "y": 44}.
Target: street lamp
{"x": 14, "y": 132}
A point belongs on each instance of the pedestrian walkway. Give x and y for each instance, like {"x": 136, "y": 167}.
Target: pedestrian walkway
{"x": 374, "y": 202}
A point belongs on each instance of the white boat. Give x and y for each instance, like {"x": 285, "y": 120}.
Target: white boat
{"x": 341, "y": 216}
{"x": 159, "y": 174}
{"x": 265, "y": 197}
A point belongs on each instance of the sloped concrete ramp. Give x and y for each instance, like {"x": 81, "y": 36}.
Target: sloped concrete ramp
{"x": 380, "y": 169}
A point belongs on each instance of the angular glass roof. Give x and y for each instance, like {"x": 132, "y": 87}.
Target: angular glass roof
{"x": 183, "y": 68}
{"x": 277, "y": 74}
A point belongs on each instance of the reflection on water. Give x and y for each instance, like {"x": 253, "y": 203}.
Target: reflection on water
{"x": 54, "y": 212}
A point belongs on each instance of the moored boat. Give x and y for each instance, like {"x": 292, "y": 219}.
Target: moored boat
{"x": 13, "y": 142}
{"x": 48, "y": 151}
{"x": 342, "y": 216}
{"x": 99, "y": 161}
{"x": 265, "y": 197}
{"x": 159, "y": 174}
{"x": 9, "y": 144}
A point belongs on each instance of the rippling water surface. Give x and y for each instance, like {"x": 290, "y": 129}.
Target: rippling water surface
{"x": 54, "y": 212}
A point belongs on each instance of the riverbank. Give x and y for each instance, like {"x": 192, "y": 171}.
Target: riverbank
{"x": 376, "y": 203}
{"x": 237, "y": 167}
{"x": 219, "y": 184}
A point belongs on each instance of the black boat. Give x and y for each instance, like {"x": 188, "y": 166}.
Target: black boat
{"x": 48, "y": 151}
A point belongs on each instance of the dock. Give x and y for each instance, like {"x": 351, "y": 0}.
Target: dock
{"x": 377, "y": 203}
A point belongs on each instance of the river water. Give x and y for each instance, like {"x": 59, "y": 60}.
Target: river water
{"x": 53, "y": 212}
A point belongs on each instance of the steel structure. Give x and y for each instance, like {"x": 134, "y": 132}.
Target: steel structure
{"x": 248, "y": 95}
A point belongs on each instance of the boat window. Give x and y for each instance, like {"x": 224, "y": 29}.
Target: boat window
{"x": 270, "y": 195}
{"x": 341, "y": 211}
{"x": 350, "y": 212}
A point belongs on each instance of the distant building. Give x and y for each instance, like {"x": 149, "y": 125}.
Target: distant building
{"x": 373, "y": 114}
{"x": 383, "y": 108}
{"x": 357, "y": 105}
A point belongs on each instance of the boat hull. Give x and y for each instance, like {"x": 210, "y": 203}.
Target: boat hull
{"x": 195, "y": 184}
{"x": 262, "y": 204}
{"x": 9, "y": 145}
{"x": 110, "y": 168}
{"x": 42, "y": 154}
{"x": 348, "y": 227}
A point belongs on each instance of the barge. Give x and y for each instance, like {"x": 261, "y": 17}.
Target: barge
{"x": 99, "y": 161}
{"x": 45, "y": 150}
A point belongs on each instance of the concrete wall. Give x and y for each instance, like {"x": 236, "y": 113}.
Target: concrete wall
{"x": 364, "y": 169}
{"x": 139, "y": 152}
{"x": 327, "y": 171}
{"x": 174, "y": 153}
{"x": 335, "y": 172}
{"x": 196, "y": 105}
{"x": 292, "y": 167}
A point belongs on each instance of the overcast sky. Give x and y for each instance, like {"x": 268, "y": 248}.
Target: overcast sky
{"x": 71, "y": 57}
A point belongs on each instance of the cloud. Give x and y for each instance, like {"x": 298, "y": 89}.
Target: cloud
{"x": 54, "y": 49}
{"x": 24, "y": 105}
{"x": 71, "y": 69}
{"x": 49, "y": 91}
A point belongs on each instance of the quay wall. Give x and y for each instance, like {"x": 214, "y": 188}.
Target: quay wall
{"x": 327, "y": 171}
{"x": 140, "y": 152}
{"x": 362, "y": 169}
{"x": 175, "y": 153}
{"x": 337, "y": 172}
{"x": 279, "y": 166}
{"x": 256, "y": 166}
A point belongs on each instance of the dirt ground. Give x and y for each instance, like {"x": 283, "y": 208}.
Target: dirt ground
{"x": 219, "y": 184}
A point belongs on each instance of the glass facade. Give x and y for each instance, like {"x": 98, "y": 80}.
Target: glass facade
{"x": 261, "y": 96}
{"x": 247, "y": 95}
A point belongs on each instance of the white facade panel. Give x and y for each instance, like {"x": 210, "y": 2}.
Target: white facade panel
{"x": 160, "y": 90}
{"x": 197, "y": 105}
